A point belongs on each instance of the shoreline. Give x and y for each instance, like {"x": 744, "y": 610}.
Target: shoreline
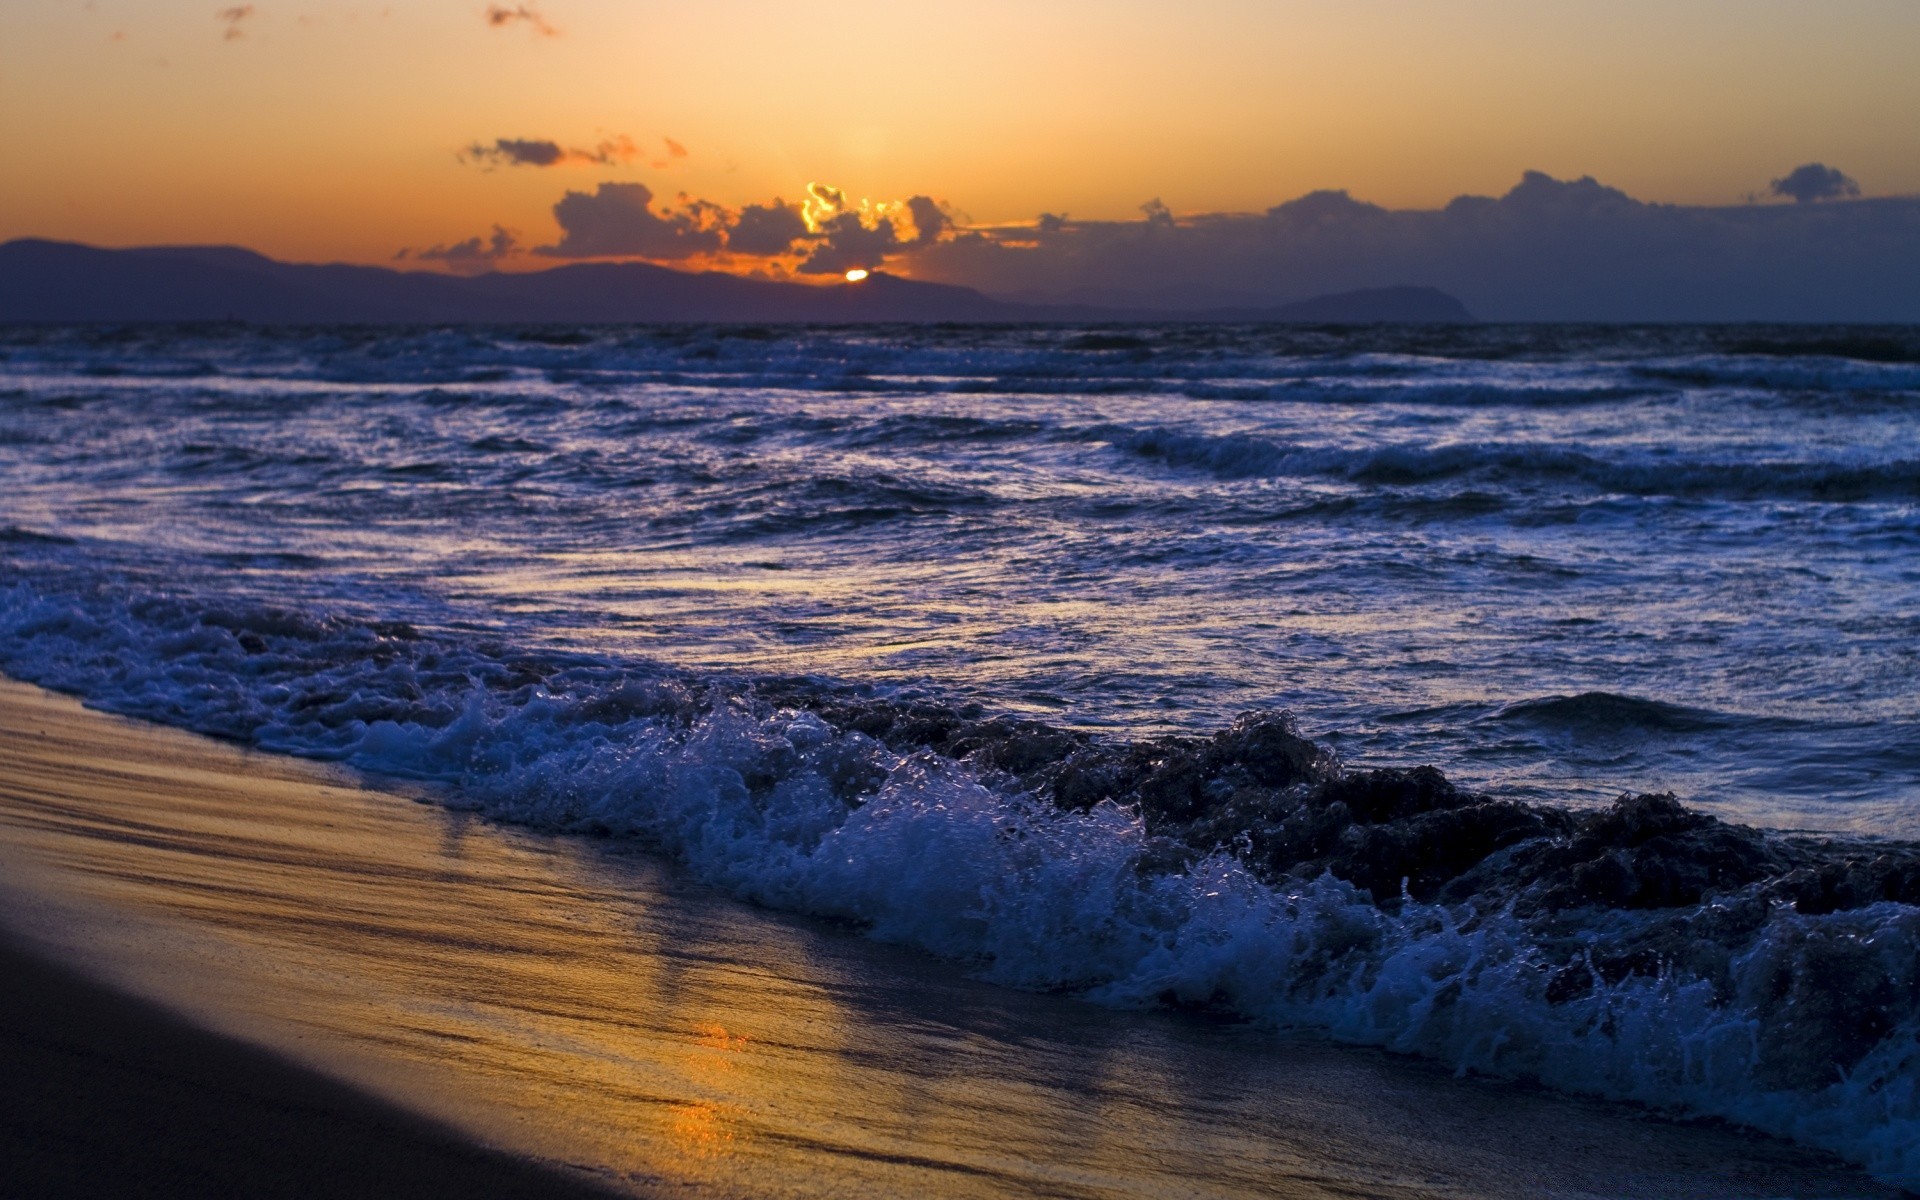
{"x": 569, "y": 1001}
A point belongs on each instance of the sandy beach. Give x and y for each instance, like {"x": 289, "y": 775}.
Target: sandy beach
{"x": 242, "y": 974}
{"x": 110, "y": 1096}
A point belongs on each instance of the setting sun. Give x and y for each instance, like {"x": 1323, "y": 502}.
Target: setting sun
{"x": 856, "y": 275}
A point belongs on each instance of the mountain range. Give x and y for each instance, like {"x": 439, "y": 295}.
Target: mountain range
{"x": 64, "y": 282}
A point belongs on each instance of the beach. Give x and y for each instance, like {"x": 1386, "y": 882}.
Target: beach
{"x": 109, "y": 1095}
{"x": 263, "y": 963}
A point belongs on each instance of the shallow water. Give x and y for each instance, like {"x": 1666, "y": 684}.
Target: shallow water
{"x": 661, "y": 584}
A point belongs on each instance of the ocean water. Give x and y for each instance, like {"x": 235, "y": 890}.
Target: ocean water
{"x": 978, "y": 639}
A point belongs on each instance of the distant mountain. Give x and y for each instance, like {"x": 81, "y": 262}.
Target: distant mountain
{"x": 62, "y": 282}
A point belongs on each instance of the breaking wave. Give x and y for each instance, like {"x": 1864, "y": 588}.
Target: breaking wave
{"x": 1605, "y": 711}
{"x": 1243, "y": 456}
{"x": 1643, "y": 951}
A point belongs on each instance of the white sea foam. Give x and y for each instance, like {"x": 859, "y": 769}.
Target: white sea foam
{"x": 776, "y": 805}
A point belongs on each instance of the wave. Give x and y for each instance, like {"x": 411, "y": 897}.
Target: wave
{"x": 1432, "y": 394}
{"x": 1245, "y": 456}
{"x": 477, "y": 364}
{"x": 1609, "y": 713}
{"x": 1874, "y": 345}
{"x": 1782, "y": 371}
{"x": 1487, "y": 365}
{"x": 1642, "y": 951}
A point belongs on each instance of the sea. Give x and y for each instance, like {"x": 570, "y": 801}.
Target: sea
{"x": 1540, "y": 700}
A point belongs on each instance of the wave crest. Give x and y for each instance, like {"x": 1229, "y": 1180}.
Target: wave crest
{"x": 1643, "y": 951}
{"x": 1246, "y": 456}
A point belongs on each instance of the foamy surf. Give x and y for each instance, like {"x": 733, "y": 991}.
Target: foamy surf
{"x": 582, "y": 1004}
{"x": 1646, "y": 954}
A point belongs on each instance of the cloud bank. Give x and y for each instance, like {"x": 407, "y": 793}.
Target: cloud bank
{"x": 1548, "y": 249}
{"x": 825, "y": 233}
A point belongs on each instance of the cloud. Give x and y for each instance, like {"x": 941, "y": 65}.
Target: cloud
{"x": 846, "y": 235}
{"x": 827, "y": 232}
{"x": 1815, "y": 181}
{"x": 473, "y": 255}
{"x": 518, "y": 152}
{"x": 823, "y": 202}
{"x": 845, "y": 242}
{"x": 766, "y": 230}
{"x": 617, "y": 220}
{"x": 1157, "y": 213}
{"x": 1548, "y": 249}
{"x": 928, "y": 219}
{"x": 499, "y": 16}
{"x": 675, "y": 152}
{"x": 235, "y": 19}
{"x": 541, "y": 152}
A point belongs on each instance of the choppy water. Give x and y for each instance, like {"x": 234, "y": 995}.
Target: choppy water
{"x": 758, "y": 596}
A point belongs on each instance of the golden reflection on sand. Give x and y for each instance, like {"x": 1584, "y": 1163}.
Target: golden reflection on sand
{"x": 580, "y": 1003}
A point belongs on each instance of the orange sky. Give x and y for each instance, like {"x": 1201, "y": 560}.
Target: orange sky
{"x": 320, "y": 130}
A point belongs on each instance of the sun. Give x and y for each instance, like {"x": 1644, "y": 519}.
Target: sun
{"x": 856, "y": 275}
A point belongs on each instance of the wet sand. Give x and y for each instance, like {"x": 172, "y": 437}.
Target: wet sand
{"x": 585, "y": 1010}
{"x": 107, "y": 1095}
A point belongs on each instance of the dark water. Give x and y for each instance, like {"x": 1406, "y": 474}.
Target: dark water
{"x": 776, "y": 601}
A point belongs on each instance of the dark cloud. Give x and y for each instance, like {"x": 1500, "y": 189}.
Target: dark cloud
{"x": 1548, "y": 249}
{"x": 929, "y": 220}
{"x": 618, "y": 221}
{"x": 517, "y": 152}
{"x": 766, "y": 230}
{"x": 826, "y": 233}
{"x": 846, "y": 236}
{"x": 473, "y": 255}
{"x": 235, "y": 19}
{"x": 500, "y": 16}
{"x": 540, "y": 152}
{"x": 845, "y": 242}
{"x": 1815, "y": 181}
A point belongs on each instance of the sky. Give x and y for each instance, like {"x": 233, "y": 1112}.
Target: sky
{"x": 473, "y": 134}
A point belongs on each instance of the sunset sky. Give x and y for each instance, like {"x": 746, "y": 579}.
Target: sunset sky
{"x": 319, "y": 130}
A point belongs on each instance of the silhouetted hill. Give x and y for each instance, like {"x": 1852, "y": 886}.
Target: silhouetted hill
{"x": 54, "y": 282}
